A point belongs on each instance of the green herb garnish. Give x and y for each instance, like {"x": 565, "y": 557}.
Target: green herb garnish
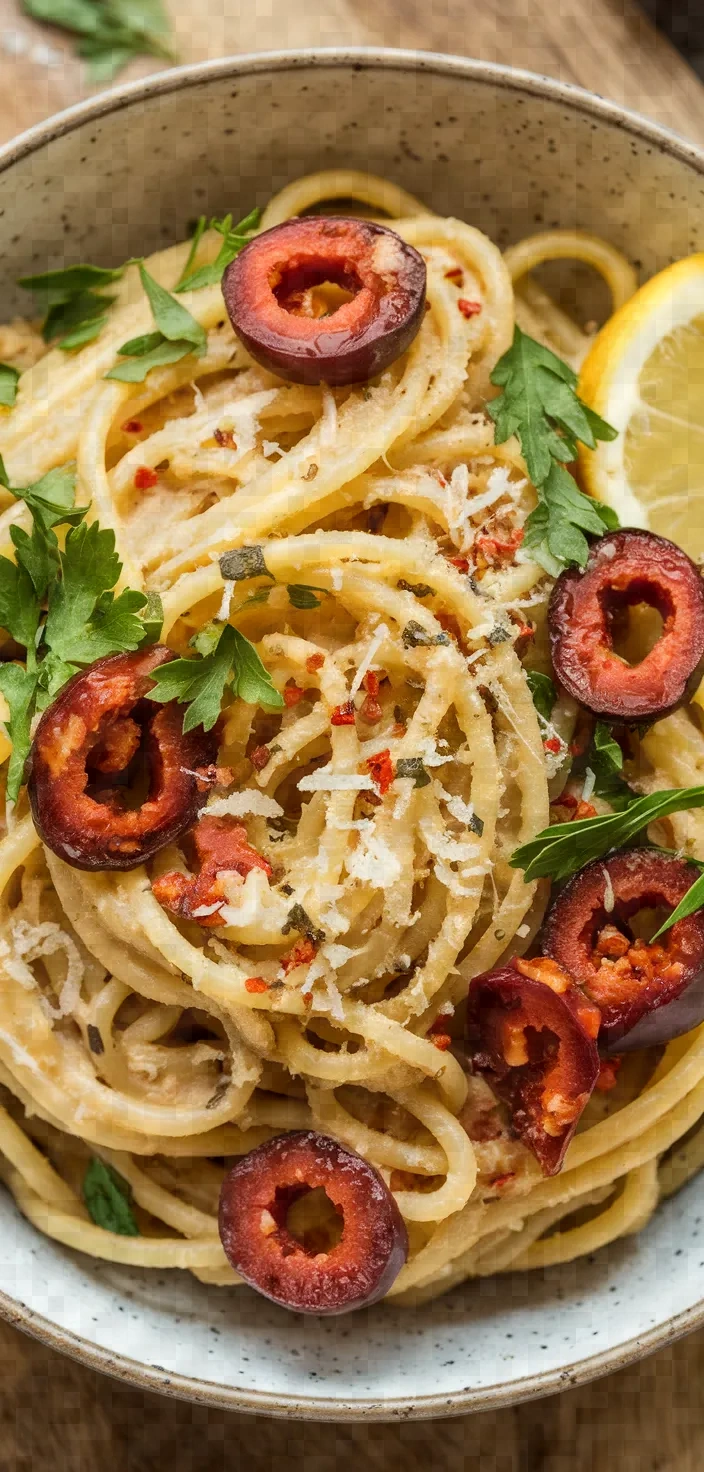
{"x": 540, "y": 404}
{"x": 234, "y": 239}
{"x": 110, "y": 32}
{"x": 108, "y": 1199}
{"x": 606, "y": 761}
{"x": 75, "y": 310}
{"x": 303, "y": 595}
{"x": 543, "y": 691}
{"x": 177, "y": 335}
{"x": 9, "y": 379}
{"x": 228, "y": 662}
{"x": 564, "y": 848}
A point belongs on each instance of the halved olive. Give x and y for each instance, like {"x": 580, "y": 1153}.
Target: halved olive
{"x": 624, "y": 569}
{"x": 326, "y": 300}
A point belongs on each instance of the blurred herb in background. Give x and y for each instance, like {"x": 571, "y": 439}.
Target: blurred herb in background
{"x": 109, "y": 33}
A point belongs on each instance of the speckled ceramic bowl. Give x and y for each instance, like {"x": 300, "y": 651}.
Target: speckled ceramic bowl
{"x": 510, "y": 152}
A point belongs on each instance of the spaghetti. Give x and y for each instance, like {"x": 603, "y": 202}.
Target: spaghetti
{"x": 326, "y": 992}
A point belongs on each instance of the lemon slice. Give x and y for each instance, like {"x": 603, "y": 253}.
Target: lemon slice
{"x": 645, "y": 375}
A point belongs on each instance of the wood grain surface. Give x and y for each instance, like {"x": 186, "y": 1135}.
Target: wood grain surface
{"x": 58, "y": 1417}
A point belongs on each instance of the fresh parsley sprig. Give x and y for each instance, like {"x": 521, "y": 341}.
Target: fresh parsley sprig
{"x": 540, "y": 405}
{"x": 563, "y": 848}
{"x": 60, "y": 605}
{"x": 177, "y": 335}
{"x": 73, "y": 302}
{"x": 234, "y": 239}
{"x": 109, "y": 32}
{"x": 229, "y": 662}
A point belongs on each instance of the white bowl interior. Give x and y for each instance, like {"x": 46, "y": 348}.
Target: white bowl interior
{"x": 125, "y": 178}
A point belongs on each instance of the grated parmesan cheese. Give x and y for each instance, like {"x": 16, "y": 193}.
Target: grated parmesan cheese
{"x": 326, "y": 780}
{"x": 32, "y": 942}
{"x": 223, "y": 612}
{"x": 609, "y": 896}
{"x": 589, "y": 784}
{"x": 373, "y": 862}
{"x": 247, "y": 803}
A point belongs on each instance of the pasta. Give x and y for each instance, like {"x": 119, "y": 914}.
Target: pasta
{"x": 166, "y": 1049}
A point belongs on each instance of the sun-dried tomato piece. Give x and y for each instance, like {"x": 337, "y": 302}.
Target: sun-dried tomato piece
{"x": 534, "y": 1040}
{"x": 381, "y": 769}
{"x": 647, "y": 993}
{"x": 624, "y": 569}
{"x": 92, "y": 731}
{"x": 292, "y": 695}
{"x": 269, "y": 292}
{"x": 221, "y": 845}
{"x": 328, "y": 1261}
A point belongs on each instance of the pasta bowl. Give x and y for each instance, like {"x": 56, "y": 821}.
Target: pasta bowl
{"x": 121, "y": 176}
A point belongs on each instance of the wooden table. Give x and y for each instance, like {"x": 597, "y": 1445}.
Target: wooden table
{"x": 56, "y": 1416}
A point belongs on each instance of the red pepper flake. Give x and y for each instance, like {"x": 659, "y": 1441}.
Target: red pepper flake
{"x": 371, "y": 682}
{"x": 441, "y": 1040}
{"x": 225, "y": 438}
{"x": 553, "y": 744}
{"x": 461, "y": 563}
{"x": 469, "y": 309}
{"x": 607, "y": 1074}
{"x": 398, "y": 729}
{"x": 145, "y": 478}
{"x": 456, "y": 274}
{"x": 132, "y": 426}
{"x": 292, "y": 695}
{"x": 498, "y": 1182}
{"x": 301, "y": 955}
{"x": 440, "y": 1023}
{"x": 526, "y": 631}
{"x": 314, "y": 662}
{"x": 343, "y": 715}
{"x": 493, "y": 548}
{"x": 213, "y": 776}
{"x": 260, "y": 758}
{"x": 256, "y": 984}
{"x": 381, "y": 770}
{"x": 584, "y": 810}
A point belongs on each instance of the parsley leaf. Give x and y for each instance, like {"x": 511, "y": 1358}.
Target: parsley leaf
{"x": 234, "y": 238}
{"x": 563, "y": 848}
{"x": 19, "y": 605}
{"x": 85, "y": 621}
{"x": 19, "y": 687}
{"x": 75, "y": 311}
{"x": 539, "y": 403}
{"x": 543, "y": 691}
{"x": 107, "y": 1197}
{"x": 201, "y": 683}
{"x": 178, "y": 335}
{"x": 606, "y": 761}
{"x": 9, "y": 379}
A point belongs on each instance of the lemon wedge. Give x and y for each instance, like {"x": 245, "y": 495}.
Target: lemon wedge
{"x": 645, "y": 374}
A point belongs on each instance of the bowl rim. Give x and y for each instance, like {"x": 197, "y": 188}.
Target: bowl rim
{"x": 20, "y": 1315}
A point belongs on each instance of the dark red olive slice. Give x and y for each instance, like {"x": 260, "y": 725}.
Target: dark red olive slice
{"x": 310, "y": 1271}
{"x": 87, "y": 738}
{"x": 532, "y": 1033}
{"x": 624, "y": 569}
{"x": 647, "y": 993}
{"x": 269, "y": 292}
